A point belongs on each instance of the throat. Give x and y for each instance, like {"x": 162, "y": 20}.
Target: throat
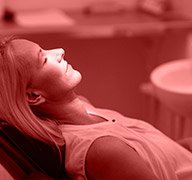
{"x": 83, "y": 120}
{"x": 71, "y": 111}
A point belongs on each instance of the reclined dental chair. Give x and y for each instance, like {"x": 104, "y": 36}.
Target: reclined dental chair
{"x": 27, "y": 158}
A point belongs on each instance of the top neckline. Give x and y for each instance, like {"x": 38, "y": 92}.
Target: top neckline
{"x": 92, "y": 111}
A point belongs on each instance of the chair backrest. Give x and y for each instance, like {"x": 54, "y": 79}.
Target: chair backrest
{"x": 27, "y": 154}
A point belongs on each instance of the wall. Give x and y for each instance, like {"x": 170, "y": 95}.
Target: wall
{"x": 113, "y": 68}
{"x": 183, "y": 6}
{"x": 129, "y": 61}
{"x": 64, "y": 4}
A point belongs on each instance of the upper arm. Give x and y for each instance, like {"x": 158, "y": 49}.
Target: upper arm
{"x": 111, "y": 158}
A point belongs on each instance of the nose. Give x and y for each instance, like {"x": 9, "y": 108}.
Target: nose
{"x": 56, "y": 54}
{"x": 60, "y": 53}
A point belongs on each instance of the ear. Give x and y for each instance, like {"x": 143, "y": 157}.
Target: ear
{"x": 34, "y": 98}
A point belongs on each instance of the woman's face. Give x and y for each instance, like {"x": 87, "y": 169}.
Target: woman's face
{"x": 51, "y": 74}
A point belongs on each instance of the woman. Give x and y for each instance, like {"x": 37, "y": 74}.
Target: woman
{"x": 37, "y": 97}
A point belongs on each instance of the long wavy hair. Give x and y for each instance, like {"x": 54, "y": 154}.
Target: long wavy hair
{"x": 14, "y": 108}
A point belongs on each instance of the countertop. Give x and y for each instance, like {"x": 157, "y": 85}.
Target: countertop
{"x": 130, "y": 23}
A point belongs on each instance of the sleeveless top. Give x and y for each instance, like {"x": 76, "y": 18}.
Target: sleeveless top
{"x": 166, "y": 159}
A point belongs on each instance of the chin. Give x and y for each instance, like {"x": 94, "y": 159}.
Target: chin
{"x": 77, "y": 77}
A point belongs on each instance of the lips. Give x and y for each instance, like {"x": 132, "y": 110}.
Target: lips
{"x": 66, "y": 65}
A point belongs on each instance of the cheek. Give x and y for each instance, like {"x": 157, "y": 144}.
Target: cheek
{"x": 56, "y": 83}
{"x": 44, "y": 78}
{"x": 50, "y": 74}
{"x": 53, "y": 83}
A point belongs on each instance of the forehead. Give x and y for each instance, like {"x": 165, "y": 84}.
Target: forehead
{"x": 24, "y": 49}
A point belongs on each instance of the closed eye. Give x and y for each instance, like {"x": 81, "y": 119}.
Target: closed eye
{"x": 45, "y": 60}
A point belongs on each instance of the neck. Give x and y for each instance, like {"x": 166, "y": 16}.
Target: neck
{"x": 70, "y": 110}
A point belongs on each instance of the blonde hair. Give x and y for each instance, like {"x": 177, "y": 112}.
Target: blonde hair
{"x": 14, "y": 79}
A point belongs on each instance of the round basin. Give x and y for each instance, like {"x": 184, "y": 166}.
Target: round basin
{"x": 172, "y": 82}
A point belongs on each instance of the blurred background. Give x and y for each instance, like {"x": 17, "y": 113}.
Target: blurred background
{"x": 115, "y": 44}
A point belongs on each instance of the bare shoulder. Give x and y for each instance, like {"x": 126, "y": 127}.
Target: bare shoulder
{"x": 111, "y": 158}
